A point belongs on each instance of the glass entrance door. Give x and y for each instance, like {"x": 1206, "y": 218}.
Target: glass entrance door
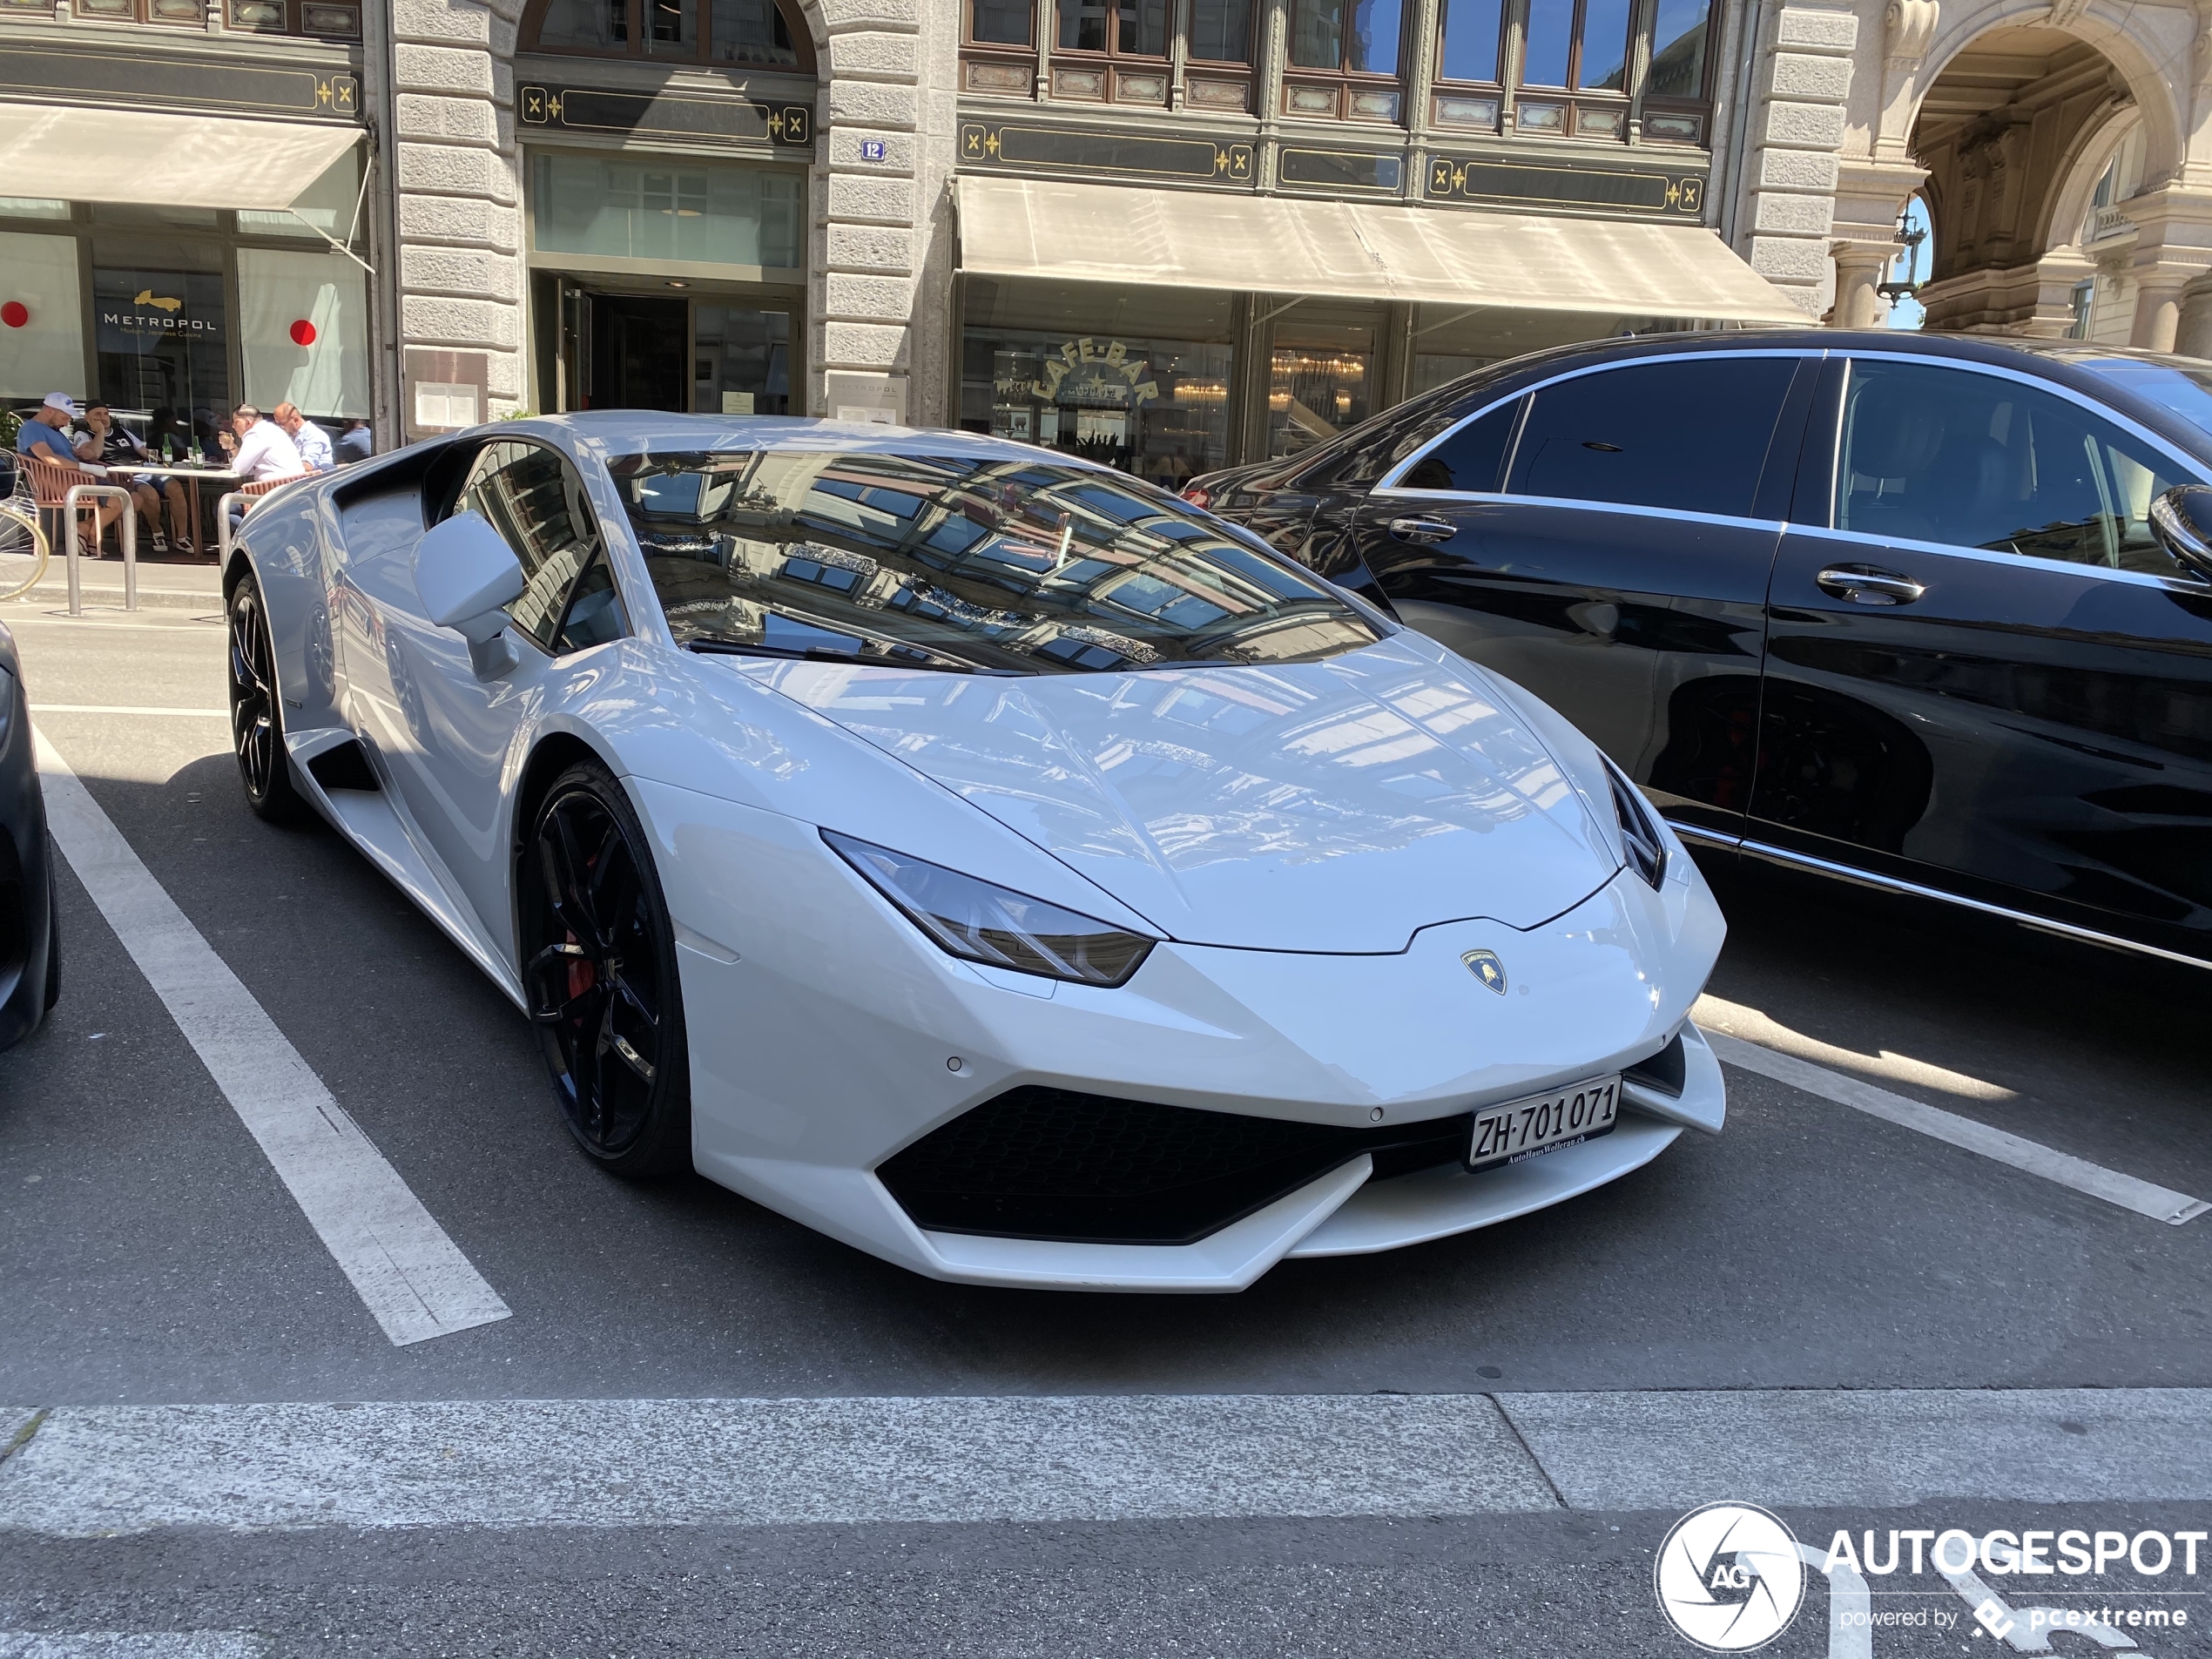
{"x": 637, "y": 350}
{"x": 710, "y": 355}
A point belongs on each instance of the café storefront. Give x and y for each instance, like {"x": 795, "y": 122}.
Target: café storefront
{"x": 1171, "y": 332}
{"x": 184, "y": 260}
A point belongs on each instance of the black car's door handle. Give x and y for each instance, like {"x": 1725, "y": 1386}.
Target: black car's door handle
{"x": 1867, "y": 584}
{"x": 1423, "y": 529}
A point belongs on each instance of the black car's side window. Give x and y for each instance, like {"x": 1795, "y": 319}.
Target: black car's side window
{"x": 534, "y": 499}
{"x": 1686, "y": 435}
{"x": 1937, "y": 453}
{"x": 1471, "y": 459}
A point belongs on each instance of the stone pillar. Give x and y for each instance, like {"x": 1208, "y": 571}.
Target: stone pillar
{"x": 1795, "y": 131}
{"x": 881, "y": 297}
{"x": 459, "y": 200}
{"x": 2193, "y": 334}
{"x": 2158, "y": 311}
{"x": 1858, "y": 272}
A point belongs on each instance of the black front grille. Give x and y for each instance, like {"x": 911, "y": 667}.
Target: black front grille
{"x": 1038, "y": 1162}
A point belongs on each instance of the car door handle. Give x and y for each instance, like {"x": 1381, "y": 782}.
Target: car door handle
{"x": 1866, "y": 585}
{"x": 1423, "y": 529}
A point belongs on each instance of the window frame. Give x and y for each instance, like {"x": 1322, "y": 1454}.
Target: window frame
{"x": 802, "y": 42}
{"x": 1112, "y": 53}
{"x": 1349, "y": 86}
{"x": 1390, "y": 485}
{"x": 1829, "y": 461}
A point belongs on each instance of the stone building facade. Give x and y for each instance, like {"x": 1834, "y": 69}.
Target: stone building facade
{"x": 2063, "y": 151}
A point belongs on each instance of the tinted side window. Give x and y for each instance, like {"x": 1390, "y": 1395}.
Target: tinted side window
{"x": 1359, "y": 459}
{"x": 534, "y": 499}
{"x": 1471, "y": 458}
{"x": 1933, "y": 453}
{"x": 1689, "y": 434}
{"x": 595, "y": 610}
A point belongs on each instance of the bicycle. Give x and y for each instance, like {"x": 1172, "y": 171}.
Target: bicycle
{"x": 25, "y": 549}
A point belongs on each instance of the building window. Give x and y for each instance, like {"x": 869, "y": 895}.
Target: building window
{"x": 326, "y": 19}
{"x": 764, "y": 34}
{"x": 1137, "y": 379}
{"x": 606, "y": 207}
{"x": 1093, "y": 39}
{"x": 1221, "y": 31}
{"x": 1575, "y": 65}
{"x": 1359, "y": 41}
{"x": 999, "y": 23}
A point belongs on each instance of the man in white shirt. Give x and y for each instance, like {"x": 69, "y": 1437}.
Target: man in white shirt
{"x": 312, "y": 441}
{"x": 260, "y": 449}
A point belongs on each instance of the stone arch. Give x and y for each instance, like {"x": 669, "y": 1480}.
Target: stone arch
{"x": 2011, "y": 98}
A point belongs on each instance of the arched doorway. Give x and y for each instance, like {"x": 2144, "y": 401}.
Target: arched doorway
{"x": 2002, "y": 132}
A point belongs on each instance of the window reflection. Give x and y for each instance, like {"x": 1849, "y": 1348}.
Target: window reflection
{"x": 1471, "y": 34}
{"x": 1357, "y": 35}
{"x": 1678, "y": 49}
{"x": 1221, "y": 31}
{"x": 962, "y": 563}
{"x": 1550, "y": 31}
{"x": 1605, "y": 45}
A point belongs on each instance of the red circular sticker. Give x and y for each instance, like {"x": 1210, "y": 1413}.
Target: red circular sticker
{"x": 303, "y": 332}
{"x": 15, "y": 313}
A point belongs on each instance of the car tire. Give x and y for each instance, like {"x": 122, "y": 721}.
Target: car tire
{"x": 599, "y": 977}
{"x": 53, "y": 934}
{"x": 257, "y": 710}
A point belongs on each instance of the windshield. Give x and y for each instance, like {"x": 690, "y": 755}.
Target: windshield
{"x": 965, "y": 564}
{"x": 2187, "y": 391}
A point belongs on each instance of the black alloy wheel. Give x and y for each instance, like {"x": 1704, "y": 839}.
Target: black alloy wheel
{"x": 257, "y": 715}
{"x": 599, "y": 971}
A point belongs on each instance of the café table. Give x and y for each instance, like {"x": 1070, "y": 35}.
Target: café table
{"x": 192, "y": 477}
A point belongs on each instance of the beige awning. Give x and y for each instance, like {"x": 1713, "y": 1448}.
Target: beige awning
{"x": 69, "y": 153}
{"x": 1357, "y": 250}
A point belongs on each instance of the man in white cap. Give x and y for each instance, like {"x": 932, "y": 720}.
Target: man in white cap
{"x": 45, "y": 436}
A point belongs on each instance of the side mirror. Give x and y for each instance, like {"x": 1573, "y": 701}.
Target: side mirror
{"x": 2181, "y": 520}
{"x": 466, "y": 575}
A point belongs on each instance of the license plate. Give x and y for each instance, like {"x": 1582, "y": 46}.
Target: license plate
{"x": 1522, "y": 1129}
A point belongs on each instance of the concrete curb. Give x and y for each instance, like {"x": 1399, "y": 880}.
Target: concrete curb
{"x": 95, "y": 1471}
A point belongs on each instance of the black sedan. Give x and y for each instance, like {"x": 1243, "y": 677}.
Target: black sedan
{"x": 31, "y": 960}
{"x": 1931, "y": 613}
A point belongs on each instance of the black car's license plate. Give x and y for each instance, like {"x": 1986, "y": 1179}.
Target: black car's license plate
{"x": 1521, "y": 1128}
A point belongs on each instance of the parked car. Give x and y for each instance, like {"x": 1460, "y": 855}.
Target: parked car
{"x": 31, "y": 952}
{"x": 1920, "y": 611}
{"x": 971, "y": 851}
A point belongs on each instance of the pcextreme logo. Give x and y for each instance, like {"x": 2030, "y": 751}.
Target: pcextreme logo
{"x": 1729, "y": 1577}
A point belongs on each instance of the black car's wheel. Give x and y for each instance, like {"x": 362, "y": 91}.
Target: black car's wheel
{"x": 256, "y": 714}
{"x": 599, "y": 969}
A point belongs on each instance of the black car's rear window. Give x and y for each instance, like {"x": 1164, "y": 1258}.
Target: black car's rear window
{"x": 1023, "y": 566}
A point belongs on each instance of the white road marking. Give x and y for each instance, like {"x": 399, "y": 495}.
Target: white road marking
{"x": 414, "y": 1278}
{"x": 95, "y": 1471}
{"x": 2144, "y": 1197}
{"x": 129, "y": 1644}
{"x": 126, "y": 708}
{"x": 1717, "y": 1014}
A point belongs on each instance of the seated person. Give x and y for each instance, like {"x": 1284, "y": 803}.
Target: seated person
{"x": 312, "y": 441}
{"x": 258, "y": 451}
{"x": 45, "y": 436}
{"x": 356, "y": 443}
{"x": 108, "y": 442}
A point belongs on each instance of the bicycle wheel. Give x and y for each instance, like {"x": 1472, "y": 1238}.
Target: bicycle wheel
{"x": 23, "y": 549}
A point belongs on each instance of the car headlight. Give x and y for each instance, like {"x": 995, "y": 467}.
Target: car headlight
{"x": 1639, "y": 835}
{"x": 980, "y": 922}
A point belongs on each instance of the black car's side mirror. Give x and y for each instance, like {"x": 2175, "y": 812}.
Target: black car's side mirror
{"x": 2181, "y": 520}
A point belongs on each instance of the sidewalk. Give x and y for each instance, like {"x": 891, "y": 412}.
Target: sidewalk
{"x": 178, "y": 587}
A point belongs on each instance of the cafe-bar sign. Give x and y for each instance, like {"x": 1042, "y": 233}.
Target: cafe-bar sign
{"x": 152, "y": 312}
{"x": 1092, "y": 365}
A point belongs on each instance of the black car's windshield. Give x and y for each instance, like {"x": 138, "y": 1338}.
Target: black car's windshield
{"x": 2186, "y": 391}
{"x": 1017, "y": 565}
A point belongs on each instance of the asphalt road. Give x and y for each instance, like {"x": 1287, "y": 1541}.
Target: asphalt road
{"x": 149, "y": 1256}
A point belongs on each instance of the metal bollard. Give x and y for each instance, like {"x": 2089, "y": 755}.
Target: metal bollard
{"x": 223, "y": 539}
{"x": 79, "y": 493}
